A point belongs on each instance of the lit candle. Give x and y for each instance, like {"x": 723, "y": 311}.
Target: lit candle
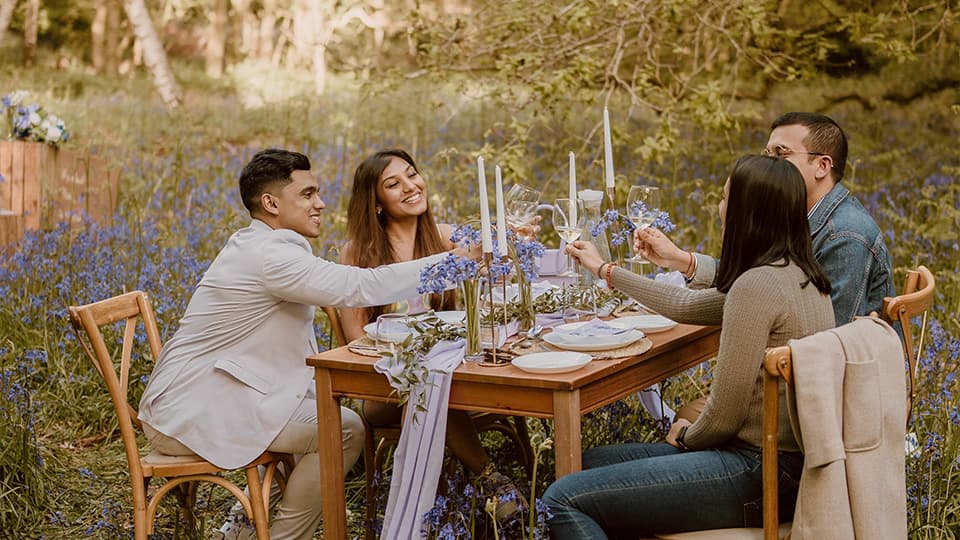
{"x": 485, "y": 239}
{"x": 573, "y": 187}
{"x": 607, "y": 149}
{"x": 501, "y": 217}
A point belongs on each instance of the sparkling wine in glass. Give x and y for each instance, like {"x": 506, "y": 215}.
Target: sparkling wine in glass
{"x": 567, "y": 214}
{"x": 643, "y": 207}
{"x": 520, "y": 204}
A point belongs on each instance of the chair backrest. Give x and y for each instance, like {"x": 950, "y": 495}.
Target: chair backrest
{"x": 87, "y": 321}
{"x": 336, "y": 327}
{"x": 777, "y": 364}
{"x": 916, "y": 299}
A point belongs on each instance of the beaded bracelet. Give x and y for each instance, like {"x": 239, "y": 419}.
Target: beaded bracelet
{"x": 691, "y": 267}
{"x": 609, "y": 273}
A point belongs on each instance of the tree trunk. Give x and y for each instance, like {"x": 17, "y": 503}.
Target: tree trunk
{"x": 30, "y": 22}
{"x": 318, "y": 37}
{"x": 6, "y": 13}
{"x": 97, "y": 34}
{"x": 268, "y": 30}
{"x": 217, "y": 38}
{"x": 112, "y": 48}
{"x": 153, "y": 53}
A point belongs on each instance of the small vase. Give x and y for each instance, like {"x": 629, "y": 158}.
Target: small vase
{"x": 470, "y": 291}
{"x": 526, "y": 315}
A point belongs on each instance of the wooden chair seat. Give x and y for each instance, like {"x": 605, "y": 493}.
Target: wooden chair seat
{"x": 182, "y": 474}
{"x": 156, "y": 464}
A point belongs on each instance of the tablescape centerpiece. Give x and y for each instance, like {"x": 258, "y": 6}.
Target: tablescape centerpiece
{"x": 519, "y": 264}
{"x": 455, "y": 271}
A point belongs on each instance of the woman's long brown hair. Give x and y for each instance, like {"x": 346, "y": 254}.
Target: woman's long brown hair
{"x": 367, "y": 230}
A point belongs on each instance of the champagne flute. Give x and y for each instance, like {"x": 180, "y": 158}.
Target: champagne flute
{"x": 566, "y": 217}
{"x": 643, "y": 207}
{"x": 520, "y": 204}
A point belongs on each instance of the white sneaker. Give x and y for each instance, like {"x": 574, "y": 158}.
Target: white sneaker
{"x": 234, "y": 530}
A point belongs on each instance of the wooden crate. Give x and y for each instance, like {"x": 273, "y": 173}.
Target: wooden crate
{"x": 44, "y": 186}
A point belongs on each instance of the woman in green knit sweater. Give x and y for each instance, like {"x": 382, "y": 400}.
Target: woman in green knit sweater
{"x": 770, "y": 289}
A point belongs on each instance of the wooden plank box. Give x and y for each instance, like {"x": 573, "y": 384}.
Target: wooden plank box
{"x": 43, "y": 186}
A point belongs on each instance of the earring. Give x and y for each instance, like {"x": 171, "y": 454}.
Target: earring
{"x": 379, "y": 210}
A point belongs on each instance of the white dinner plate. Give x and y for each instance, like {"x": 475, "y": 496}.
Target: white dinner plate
{"x": 395, "y": 335}
{"x": 650, "y": 324}
{"x": 551, "y": 362}
{"x": 592, "y": 343}
{"x": 452, "y": 317}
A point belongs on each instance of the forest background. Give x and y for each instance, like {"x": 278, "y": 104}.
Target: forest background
{"x": 178, "y": 94}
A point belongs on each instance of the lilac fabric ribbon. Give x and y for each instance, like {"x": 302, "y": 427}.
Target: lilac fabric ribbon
{"x": 419, "y": 454}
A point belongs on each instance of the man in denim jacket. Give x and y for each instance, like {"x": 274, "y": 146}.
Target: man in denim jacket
{"x": 846, "y": 241}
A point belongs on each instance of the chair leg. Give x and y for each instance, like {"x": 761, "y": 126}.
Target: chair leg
{"x": 260, "y": 519}
{"x": 370, "y": 477}
{"x": 187, "y": 497}
{"x": 523, "y": 444}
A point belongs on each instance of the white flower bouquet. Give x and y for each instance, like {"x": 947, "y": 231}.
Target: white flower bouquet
{"x": 30, "y": 122}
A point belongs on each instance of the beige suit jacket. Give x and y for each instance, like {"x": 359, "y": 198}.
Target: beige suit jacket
{"x": 851, "y": 411}
{"x": 234, "y": 372}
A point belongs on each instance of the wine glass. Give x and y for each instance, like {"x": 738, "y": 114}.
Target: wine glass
{"x": 567, "y": 214}
{"x": 643, "y": 207}
{"x": 392, "y": 328}
{"x": 520, "y": 204}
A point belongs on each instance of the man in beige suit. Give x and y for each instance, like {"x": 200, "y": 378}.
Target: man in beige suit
{"x": 232, "y": 382}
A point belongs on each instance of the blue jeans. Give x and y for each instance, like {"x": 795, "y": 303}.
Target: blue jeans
{"x": 631, "y": 490}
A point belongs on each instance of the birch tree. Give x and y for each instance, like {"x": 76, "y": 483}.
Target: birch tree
{"x": 6, "y": 13}
{"x": 153, "y": 54}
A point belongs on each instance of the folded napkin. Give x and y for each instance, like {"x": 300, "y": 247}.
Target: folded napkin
{"x": 594, "y": 327}
{"x": 549, "y": 320}
{"x": 672, "y": 278}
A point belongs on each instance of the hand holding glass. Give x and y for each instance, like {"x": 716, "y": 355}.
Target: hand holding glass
{"x": 567, "y": 216}
{"x": 643, "y": 207}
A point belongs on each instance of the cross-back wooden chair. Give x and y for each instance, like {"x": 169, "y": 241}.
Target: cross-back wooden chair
{"x": 182, "y": 473}
{"x": 378, "y": 440}
{"x": 915, "y": 299}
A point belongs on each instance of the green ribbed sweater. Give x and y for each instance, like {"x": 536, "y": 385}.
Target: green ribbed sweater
{"x": 765, "y": 307}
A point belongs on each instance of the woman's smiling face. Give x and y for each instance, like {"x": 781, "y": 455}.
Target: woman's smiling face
{"x": 401, "y": 191}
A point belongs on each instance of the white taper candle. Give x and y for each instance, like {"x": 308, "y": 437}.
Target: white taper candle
{"x": 607, "y": 150}
{"x": 486, "y": 242}
{"x": 501, "y": 216}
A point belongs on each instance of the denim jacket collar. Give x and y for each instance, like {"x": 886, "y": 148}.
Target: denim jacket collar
{"x": 826, "y": 206}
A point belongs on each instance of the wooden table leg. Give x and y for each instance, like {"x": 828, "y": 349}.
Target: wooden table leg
{"x": 330, "y": 448}
{"x": 566, "y": 423}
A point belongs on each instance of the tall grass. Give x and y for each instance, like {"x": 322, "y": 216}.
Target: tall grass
{"x": 61, "y": 465}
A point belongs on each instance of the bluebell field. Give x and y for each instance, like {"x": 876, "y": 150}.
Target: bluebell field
{"x": 61, "y": 465}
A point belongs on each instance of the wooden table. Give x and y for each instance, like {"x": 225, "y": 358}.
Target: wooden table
{"x": 563, "y": 397}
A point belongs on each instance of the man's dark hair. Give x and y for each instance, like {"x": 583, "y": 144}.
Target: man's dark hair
{"x": 825, "y": 137}
{"x": 766, "y": 221}
{"x": 266, "y": 169}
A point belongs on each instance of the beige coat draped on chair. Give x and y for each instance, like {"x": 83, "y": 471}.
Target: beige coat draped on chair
{"x": 849, "y": 398}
